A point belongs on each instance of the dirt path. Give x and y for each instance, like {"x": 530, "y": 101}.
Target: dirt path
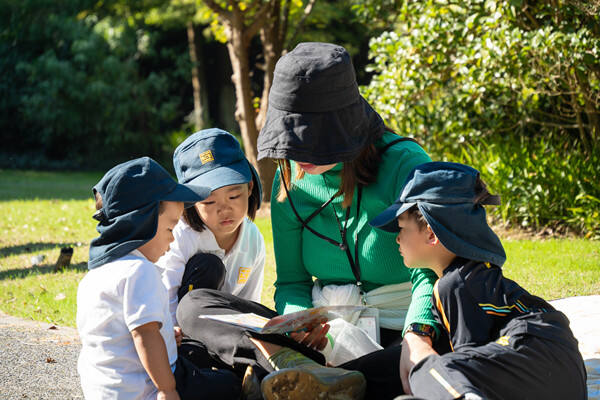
{"x": 37, "y": 360}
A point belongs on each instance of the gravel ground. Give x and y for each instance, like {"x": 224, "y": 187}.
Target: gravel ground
{"x": 37, "y": 360}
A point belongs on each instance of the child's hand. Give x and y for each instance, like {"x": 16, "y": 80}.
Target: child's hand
{"x": 414, "y": 349}
{"x": 178, "y": 335}
{"x": 168, "y": 395}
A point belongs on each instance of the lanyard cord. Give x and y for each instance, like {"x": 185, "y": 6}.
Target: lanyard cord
{"x": 354, "y": 263}
{"x": 343, "y": 245}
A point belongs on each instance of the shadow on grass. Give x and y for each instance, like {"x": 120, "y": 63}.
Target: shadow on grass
{"x": 32, "y": 248}
{"x": 20, "y": 273}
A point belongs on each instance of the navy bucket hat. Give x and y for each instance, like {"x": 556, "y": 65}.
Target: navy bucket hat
{"x": 131, "y": 193}
{"x": 451, "y": 197}
{"x": 316, "y": 113}
{"x": 213, "y": 158}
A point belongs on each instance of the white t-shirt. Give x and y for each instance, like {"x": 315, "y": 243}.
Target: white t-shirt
{"x": 244, "y": 262}
{"x": 112, "y": 300}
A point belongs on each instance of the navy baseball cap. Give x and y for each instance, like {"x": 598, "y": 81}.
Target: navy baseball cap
{"x": 131, "y": 193}
{"x": 451, "y": 197}
{"x": 213, "y": 158}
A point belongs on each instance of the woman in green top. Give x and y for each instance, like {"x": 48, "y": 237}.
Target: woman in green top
{"x": 338, "y": 168}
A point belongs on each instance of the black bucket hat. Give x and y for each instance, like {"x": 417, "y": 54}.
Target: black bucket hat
{"x": 451, "y": 197}
{"x": 316, "y": 113}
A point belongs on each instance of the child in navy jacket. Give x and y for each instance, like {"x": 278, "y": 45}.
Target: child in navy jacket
{"x": 506, "y": 343}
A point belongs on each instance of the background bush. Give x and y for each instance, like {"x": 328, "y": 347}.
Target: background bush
{"x": 86, "y": 89}
{"x": 511, "y": 87}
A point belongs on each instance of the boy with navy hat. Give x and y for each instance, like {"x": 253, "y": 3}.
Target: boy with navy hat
{"x": 129, "y": 345}
{"x": 506, "y": 343}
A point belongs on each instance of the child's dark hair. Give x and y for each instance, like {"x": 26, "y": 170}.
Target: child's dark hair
{"x": 98, "y": 200}
{"x": 192, "y": 218}
{"x": 415, "y": 214}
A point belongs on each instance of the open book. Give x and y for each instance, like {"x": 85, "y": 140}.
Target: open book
{"x": 296, "y": 321}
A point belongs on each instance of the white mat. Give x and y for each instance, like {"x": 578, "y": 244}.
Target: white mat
{"x": 584, "y": 314}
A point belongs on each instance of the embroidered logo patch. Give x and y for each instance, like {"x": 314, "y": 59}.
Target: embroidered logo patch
{"x": 243, "y": 275}
{"x": 206, "y": 156}
{"x": 503, "y": 340}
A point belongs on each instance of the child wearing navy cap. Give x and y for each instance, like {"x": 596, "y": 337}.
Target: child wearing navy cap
{"x": 129, "y": 345}
{"x": 506, "y": 343}
{"x": 217, "y": 246}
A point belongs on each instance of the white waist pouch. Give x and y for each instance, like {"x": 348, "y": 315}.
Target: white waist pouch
{"x": 358, "y": 334}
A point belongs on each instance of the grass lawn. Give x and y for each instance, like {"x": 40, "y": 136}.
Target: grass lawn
{"x": 40, "y": 212}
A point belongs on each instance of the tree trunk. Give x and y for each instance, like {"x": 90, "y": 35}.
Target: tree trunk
{"x": 244, "y": 109}
{"x": 272, "y": 41}
{"x": 199, "y": 113}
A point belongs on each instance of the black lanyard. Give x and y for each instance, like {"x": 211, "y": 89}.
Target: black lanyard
{"x": 343, "y": 245}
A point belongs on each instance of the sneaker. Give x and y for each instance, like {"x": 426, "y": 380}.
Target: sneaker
{"x": 298, "y": 377}
{"x": 313, "y": 382}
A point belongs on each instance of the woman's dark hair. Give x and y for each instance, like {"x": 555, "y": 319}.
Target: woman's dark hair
{"x": 192, "y": 218}
{"x": 360, "y": 171}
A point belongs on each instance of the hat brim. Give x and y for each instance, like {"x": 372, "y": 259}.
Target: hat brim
{"x": 319, "y": 138}
{"x": 189, "y": 194}
{"x": 386, "y": 220}
{"x": 233, "y": 174}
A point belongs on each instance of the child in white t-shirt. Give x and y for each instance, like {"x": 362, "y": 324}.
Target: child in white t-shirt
{"x": 129, "y": 345}
{"x": 217, "y": 246}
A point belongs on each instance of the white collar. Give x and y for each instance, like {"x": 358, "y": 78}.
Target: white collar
{"x": 240, "y": 245}
{"x": 137, "y": 253}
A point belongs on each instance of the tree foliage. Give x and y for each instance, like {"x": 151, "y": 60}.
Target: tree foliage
{"x": 76, "y": 84}
{"x": 484, "y": 73}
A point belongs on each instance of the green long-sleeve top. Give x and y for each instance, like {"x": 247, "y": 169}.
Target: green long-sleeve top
{"x": 300, "y": 255}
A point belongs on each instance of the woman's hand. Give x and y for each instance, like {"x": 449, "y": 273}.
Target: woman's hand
{"x": 414, "y": 349}
{"x": 313, "y": 337}
{"x": 178, "y": 335}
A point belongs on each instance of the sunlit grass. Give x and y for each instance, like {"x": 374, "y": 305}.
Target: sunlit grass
{"x": 41, "y": 212}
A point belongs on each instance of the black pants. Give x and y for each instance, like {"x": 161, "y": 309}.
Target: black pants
{"x": 519, "y": 365}
{"x": 230, "y": 346}
{"x": 193, "y": 383}
{"x": 194, "y": 373}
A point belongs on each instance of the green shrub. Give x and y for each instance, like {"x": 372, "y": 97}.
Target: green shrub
{"x": 86, "y": 89}
{"x": 512, "y": 87}
{"x": 542, "y": 183}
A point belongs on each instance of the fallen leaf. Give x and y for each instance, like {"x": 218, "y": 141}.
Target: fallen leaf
{"x": 50, "y": 360}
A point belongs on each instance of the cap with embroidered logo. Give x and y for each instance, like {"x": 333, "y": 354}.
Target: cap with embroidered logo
{"x": 213, "y": 158}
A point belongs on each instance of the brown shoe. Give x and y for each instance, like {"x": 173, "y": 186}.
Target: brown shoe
{"x": 314, "y": 382}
